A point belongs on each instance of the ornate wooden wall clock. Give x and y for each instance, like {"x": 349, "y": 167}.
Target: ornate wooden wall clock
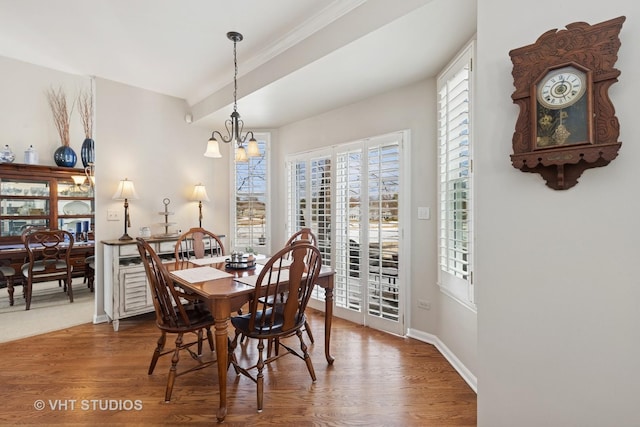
{"x": 567, "y": 122}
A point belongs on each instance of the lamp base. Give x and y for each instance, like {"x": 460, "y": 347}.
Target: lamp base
{"x": 125, "y": 236}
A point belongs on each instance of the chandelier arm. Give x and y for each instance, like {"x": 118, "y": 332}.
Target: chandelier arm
{"x": 215, "y": 132}
{"x": 247, "y": 135}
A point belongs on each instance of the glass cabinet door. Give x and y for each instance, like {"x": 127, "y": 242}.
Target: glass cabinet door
{"x": 44, "y": 196}
{"x": 23, "y": 204}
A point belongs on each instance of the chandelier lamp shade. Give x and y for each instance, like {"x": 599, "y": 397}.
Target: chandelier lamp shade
{"x": 234, "y": 125}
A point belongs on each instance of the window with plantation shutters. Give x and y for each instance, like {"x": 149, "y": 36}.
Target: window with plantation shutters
{"x": 455, "y": 222}
{"x": 351, "y": 196}
{"x": 250, "y": 210}
{"x": 309, "y": 204}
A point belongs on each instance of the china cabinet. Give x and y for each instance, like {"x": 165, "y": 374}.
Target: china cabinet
{"x": 47, "y": 196}
{"x": 35, "y": 195}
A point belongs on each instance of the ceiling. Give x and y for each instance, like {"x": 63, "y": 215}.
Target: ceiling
{"x": 297, "y": 59}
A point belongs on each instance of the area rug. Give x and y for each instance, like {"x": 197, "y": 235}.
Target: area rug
{"x": 50, "y": 310}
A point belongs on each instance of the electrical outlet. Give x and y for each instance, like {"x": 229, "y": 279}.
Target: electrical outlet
{"x": 424, "y": 213}
{"x": 424, "y": 304}
{"x": 113, "y": 215}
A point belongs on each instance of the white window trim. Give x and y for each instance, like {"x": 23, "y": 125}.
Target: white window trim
{"x": 266, "y": 136}
{"x": 461, "y": 290}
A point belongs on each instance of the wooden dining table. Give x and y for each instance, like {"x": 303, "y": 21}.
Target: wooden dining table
{"x": 227, "y": 295}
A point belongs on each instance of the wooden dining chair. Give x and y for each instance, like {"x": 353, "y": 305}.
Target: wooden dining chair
{"x": 198, "y": 243}
{"x": 6, "y": 276}
{"x": 90, "y": 271}
{"x": 277, "y": 309}
{"x": 304, "y": 234}
{"x": 173, "y": 316}
{"x": 48, "y": 255}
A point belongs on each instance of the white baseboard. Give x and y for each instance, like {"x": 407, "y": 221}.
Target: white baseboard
{"x": 448, "y": 354}
{"x": 100, "y": 318}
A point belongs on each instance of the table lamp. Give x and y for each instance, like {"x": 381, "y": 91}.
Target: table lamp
{"x": 200, "y": 194}
{"x": 126, "y": 191}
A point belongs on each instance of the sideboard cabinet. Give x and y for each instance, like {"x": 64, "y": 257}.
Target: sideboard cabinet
{"x": 126, "y": 290}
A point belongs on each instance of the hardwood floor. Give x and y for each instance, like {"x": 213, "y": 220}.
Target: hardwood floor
{"x": 91, "y": 375}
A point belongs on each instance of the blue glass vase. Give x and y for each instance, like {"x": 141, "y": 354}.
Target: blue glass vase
{"x": 87, "y": 153}
{"x": 64, "y": 156}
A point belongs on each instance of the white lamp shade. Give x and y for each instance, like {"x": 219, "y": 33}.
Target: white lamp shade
{"x": 252, "y": 149}
{"x": 241, "y": 155}
{"x": 213, "y": 150}
{"x": 125, "y": 190}
{"x": 200, "y": 193}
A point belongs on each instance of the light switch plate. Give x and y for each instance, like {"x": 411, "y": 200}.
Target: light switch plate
{"x": 113, "y": 215}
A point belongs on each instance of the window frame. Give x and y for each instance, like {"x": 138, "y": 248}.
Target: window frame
{"x": 266, "y": 138}
{"x": 456, "y": 284}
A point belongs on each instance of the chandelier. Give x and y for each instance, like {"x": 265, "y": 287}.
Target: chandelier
{"x": 234, "y": 125}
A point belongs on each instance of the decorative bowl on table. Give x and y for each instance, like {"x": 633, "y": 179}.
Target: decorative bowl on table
{"x": 240, "y": 261}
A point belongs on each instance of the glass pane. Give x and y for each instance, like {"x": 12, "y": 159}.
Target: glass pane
{"x": 251, "y": 201}
{"x": 15, "y": 227}
{"x": 24, "y": 207}
{"x": 70, "y": 189}
{"x": 79, "y": 227}
{"x": 75, "y": 207}
{"x": 10, "y": 187}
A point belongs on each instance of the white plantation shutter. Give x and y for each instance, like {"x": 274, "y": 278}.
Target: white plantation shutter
{"x": 455, "y": 177}
{"x": 297, "y": 195}
{"x": 320, "y": 204}
{"x": 309, "y": 199}
{"x": 250, "y": 211}
{"x": 349, "y": 209}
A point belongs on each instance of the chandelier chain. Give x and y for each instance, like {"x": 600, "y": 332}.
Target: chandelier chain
{"x": 235, "y": 78}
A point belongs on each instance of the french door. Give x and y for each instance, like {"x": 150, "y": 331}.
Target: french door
{"x": 360, "y": 185}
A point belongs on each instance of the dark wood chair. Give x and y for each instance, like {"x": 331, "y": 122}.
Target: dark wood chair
{"x": 90, "y": 271}
{"x": 6, "y": 276}
{"x": 307, "y": 235}
{"x": 174, "y": 317}
{"x": 198, "y": 243}
{"x": 304, "y": 234}
{"x": 277, "y": 309}
{"x": 48, "y": 254}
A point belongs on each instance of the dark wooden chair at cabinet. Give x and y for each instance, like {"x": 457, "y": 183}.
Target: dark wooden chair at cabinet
{"x": 49, "y": 259}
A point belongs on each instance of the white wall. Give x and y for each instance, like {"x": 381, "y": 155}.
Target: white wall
{"x": 25, "y": 116}
{"x": 142, "y": 136}
{"x": 414, "y": 108}
{"x": 558, "y": 295}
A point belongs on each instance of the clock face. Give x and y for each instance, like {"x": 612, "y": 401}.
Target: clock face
{"x": 561, "y": 88}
